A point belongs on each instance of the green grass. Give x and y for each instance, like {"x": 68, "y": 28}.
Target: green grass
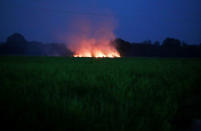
{"x": 140, "y": 94}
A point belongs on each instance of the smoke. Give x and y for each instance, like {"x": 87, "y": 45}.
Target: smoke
{"x": 92, "y": 37}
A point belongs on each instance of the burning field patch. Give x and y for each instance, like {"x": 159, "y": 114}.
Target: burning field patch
{"x": 86, "y": 41}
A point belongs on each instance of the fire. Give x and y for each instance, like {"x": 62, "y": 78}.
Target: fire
{"x": 87, "y": 39}
{"x": 90, "y": 48}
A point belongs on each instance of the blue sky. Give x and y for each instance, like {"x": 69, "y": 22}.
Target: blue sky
{"x": 137, "y": 20}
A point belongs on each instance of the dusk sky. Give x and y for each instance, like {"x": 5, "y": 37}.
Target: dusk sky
{"x": 135, "y": 20}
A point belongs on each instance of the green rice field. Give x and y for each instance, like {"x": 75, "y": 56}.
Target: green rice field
{"x": 99, "y": 94}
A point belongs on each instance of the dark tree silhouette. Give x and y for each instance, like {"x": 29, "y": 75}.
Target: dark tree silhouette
{"x": 16, "y": 38}
{"x": 184, "y": 44}
{"x": 16, "y": 44}
{"x": 170, "y": 48}
{"x": 147, "y": 42}
{"x": 122, "y": 46}
{"x": 171, "y": 43}
{"x": 157, "y": 43}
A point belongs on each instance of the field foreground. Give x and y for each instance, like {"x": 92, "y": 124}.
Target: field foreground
{"x": 140, "y": 94}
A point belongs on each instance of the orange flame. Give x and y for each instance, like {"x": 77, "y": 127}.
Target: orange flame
{"x": 89, "y": 48}
{"x": 85, "y": 41}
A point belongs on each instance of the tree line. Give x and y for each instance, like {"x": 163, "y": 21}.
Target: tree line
{"x": 16, "y": 44}
{"x": 170, "y": 47}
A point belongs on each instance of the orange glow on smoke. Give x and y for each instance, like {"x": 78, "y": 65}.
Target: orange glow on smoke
{"x": 89, "y": 48}
{"x": 92, "y": 40}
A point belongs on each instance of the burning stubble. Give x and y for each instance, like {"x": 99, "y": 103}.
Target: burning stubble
{"x": 92, "y": 39}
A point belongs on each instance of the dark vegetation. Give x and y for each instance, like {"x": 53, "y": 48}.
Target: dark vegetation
{"x": 170, "y": 47}
{"x": 16, "y": 44}
{"x": 137, "y": 94}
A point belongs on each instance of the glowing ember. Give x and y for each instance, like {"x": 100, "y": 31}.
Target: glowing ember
{"x": 85, "y": 41}
{"x": 93, "y": 49}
